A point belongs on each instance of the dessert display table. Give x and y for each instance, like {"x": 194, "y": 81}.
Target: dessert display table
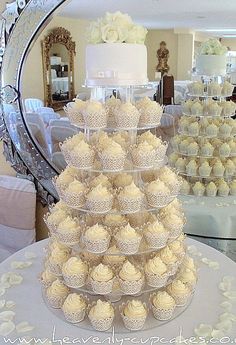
{"x": 210, "y": 216}
{"x": 205, "y": 307}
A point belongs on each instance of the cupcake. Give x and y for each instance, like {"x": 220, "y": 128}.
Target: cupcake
{"x": 53, "y": 244}
{"x": 156, "y": 272}
{"x": 127, "y": 116}
{"x": 54, "y": 219}
{"x": 142, "y": 103}
{"x": 113, "y": 257}
{"x": 191, "y": 168}
{"x": 185, "y": 188}
{"x": 173, "y": 157}
{"x": 156, "y": 235}
{"x": 163, "y": 305}
{"x": 225, "y": 130}
{"x": 143, "y": 155}
{"x": 128, "y": 240}
{"x": 197, "y": 108}
{"x": 189, "y": 278}
{"x": 74, "y": 194}
{"x": 198, "y": 189}
{"x": 193, "y": 129}
{"x": 174, "y": 223}
{"x": 192, "y": 149}
{"x": 99, "y": 200}
{"x": 224, "y": 150}
{"x": 180, "y": 164}
{"x": 232, "y": 146}
{"x": 211, "y": 130}
{"x": 207, "y": 150}
{"x": 187, "y": 107}
{"x": 122, "y": 180}
{"x": 214, "y": 109}
{"x": 180, "y": 292}
{"x": 96, "y": 239}
{"x": 218, "y": 169}
{"x": 111, "y": 104}
{"x": 74, "y": 308}
{"x": 170, "y": 178}
{"x": 223, "y": 189}
{"x": 151, "y": 114}
{"x": 114, "y": 220}
{"x": 227, "y": 89}
{"x": 101, "y": 278}
{"x": 101, "y": 315}
{"x": 74, "y": 111}
{"x": 214, "y": 89}
{"x": 113, "y": 157}
{"x": 82, "y": 156}
{"x": 68, "y": 231}
{"x": 158, "y": 194}
{"x": 130, "y": 199}
{"x": 229, "y": 168}
{"x": 211, "y": 189}
{"x": 47, "y": 278}
{"x": 95, "y": 115}
{"x": 134, "y": 314}
{"x": 100, "y": 179}
{"x": 122, "y": 138}
{"x": 177, "y": 247}
{"x": 131, "y": 279}
{"x": 204, "y": 169}
{"x": 169, "y": 259}
{"x": 183, "y": 146}
{"x": 56, "y": 294}
{"x": 75, "y": 272}
{"x": 188, "y": 263}
{"x": 175, "y": 141}
{"x": 232, "y": 187}
{"x": 196, "y": 88}
{"x": 56, "y": 260}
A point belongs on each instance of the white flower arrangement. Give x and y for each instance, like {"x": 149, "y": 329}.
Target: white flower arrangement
{"x": 116, "y": 28}
{"x": 212, "y": 47}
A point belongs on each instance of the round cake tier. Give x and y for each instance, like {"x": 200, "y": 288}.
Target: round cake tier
{"x": 211, "y": 65}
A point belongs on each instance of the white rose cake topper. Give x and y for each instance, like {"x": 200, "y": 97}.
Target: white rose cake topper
{"x": 116, "y": 28}
{"x": 212, "y": 58}
{"x": 116, "y": 54}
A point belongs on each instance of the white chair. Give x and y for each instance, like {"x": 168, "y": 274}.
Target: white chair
{"x": 17, "y": 215}
{"x": 60, "y": 134}
{"x": 33, "y": 104}
{"x": 40, "y": 137}
{"x": 47, "y": 117}
{"x": 45, "y": 110}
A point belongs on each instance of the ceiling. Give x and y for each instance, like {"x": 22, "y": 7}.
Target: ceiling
{"x": 195, "y": 14}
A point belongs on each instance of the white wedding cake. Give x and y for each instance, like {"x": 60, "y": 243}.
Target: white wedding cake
{"x": 116, "y": 64}
{"x": 212, "y": 58}
{"x": 116, "y": 55}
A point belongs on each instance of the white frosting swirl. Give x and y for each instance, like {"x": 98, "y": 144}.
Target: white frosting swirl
{"x": 113, "y": 149}
{"x": 96, "y": 232}
{"x": 101, "y": 310}
{"x": 135, "y": 309}
{"x": 188, "y": 276}
{"x": 167, "y": 256}
{"x": 155, "y": 266}
{"x": 74, "y": 266}
{"x": 68, "y": 225}
{"x": 57, "y": 217}
{"x": 99, "y": 192}
{"x": 177, "y": 287}
{"x": 158, "y": 187}
{"x": 129, "y": 272}
{"x": 102, "y": 273}
{"x": 162, "y": 300}
{"x": 74, "y": 303}
{"x": 128, "y": 233}
{"x": 57, "y": 289}
{"x": 76, "y": 187}
{"x": 155, "y": 228}
{"x": 131, "y": 191}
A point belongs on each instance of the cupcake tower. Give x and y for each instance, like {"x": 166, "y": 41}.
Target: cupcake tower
{"x": 205, "y": 146}
{"x": 116, "y": 248}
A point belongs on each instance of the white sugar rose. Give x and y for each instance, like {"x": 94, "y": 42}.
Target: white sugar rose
{"x": 119, "y": 19}
{"x": 137, "y": 34}
{"x": 113, "y": 34}
{"x": 94, "y": 34}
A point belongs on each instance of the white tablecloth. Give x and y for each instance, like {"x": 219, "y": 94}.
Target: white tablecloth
{"x": 205, "y": 307}
{"x": 60, "y": 84}
{"x": 210, "y": 216}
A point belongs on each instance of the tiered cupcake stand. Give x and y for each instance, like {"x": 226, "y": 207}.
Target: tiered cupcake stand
{"x": 196, "y": 128}
{"x": 87, "y": 216}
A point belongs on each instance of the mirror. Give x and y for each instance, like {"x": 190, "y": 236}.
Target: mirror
{"x": 58, "y": 51}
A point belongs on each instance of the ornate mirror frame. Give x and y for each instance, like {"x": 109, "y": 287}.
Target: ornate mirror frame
{"x": 23, "y": 21}
{"x": 61, "y": 36}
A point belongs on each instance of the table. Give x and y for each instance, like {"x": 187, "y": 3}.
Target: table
{"x": 205, "y": 307}
{"x": 210, "y": 216}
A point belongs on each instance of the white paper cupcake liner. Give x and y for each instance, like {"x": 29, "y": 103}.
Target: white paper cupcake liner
{"x": 76, "y": 280}
{"x": 75, "y": 116}
{"x": 157, "y": 281}
{"x": 99, "y": 205}
{"x": 56, "y": 301}
{"x": 130, "y": 205}
{"x": 96, "y": 246}
{"x": 55, "y": 268}
{"x": 73, "y": 199}
{"x": 68, "y": 238}
{"x": 129, "y": 246}
{"x": 102, "y": 288}
{"x": 82, "y": 161}
{"x": 102, "y": 325}
{"x": 133, "y": 324}
{"x": 131, "y": 287}
{"x": 124, "y": 121}
{"x": 156, "y": 241}
{"x": 158, "y": 200}
{"x": 162, "y": 314}
{"x": 199, "y": 193}
{"x": 174, "y": 229}
{"x": 150, "y": 118}
{"x": 161, "y": 151}
{"x": 95, "y": 120}
{"x": 112, "y": 163}
{"x": 51, "y": 226}
{"x": 211, "y": 193}
{"x": 143, "y": 159}
{"x": 65, "y": 152}
{"x": 181, "y": 300}
{"x": 173, "y": 268}
{"x": 74, "y": 317}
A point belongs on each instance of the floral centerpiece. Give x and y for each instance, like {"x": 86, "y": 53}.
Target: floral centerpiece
{"x": 116, "y": 28}
{"x": 212, "y": 47}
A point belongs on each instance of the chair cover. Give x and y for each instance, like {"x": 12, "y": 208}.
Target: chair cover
{"x": 33, "y": 104}
{"x": 17, "y": 215}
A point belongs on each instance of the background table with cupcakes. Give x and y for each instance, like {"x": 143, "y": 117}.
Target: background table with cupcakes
{"x": 210, "y": 305}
